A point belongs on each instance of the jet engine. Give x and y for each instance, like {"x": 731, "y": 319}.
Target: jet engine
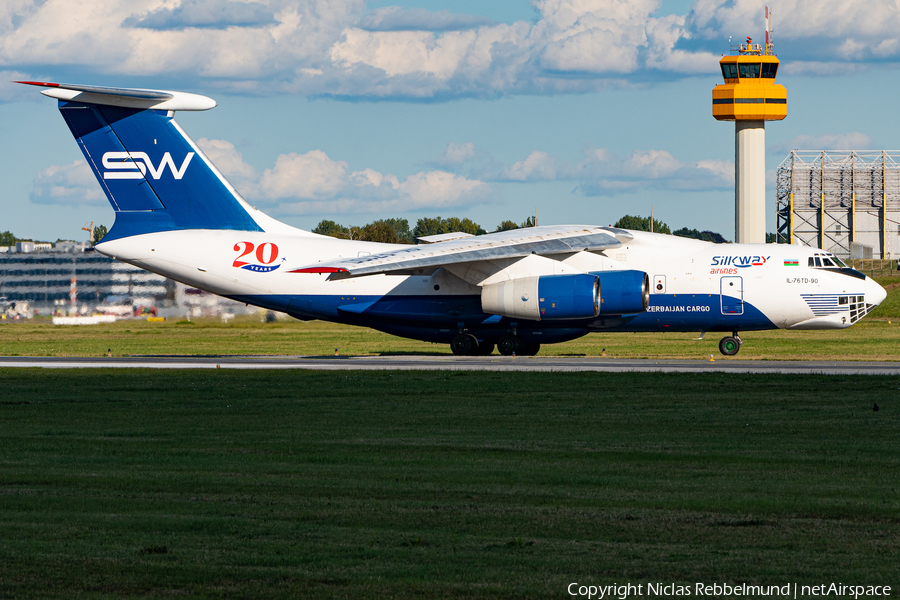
{"x": 580, "y": 296}
{"x": 624, "y": 292}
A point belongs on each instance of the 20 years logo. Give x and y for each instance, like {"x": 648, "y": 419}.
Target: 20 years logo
{"x": 266, "y": 254}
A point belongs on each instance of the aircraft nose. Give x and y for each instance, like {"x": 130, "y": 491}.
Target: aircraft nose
{"x": 875, "y": 294}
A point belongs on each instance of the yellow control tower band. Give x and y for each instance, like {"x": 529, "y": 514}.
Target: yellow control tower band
{"x": 750, "y": 97}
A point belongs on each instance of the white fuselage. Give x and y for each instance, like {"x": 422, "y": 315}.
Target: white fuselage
{"x": 695, "y": 285}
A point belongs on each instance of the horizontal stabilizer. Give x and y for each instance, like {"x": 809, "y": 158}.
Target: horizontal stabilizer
{"x": 124, "y": 97}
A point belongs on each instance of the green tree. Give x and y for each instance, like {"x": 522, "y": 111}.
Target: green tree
{"x": 508, "y": 225}
{"x": 454, "y": 224}
{"x": 642, "y": 224}
{"x": 433, "y": 226}
{"x": 100, "y": 232}
{"x": 401, "y": 226}
{"x": 429, "y": 226}
{"x": 706, "y": 236}
{"x": 331, "y": 228}
{"x": 8, "y": 239}
{"x": 379, "y": 231}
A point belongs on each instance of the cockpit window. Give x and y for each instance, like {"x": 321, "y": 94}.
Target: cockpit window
{"x": 768, "y": 70}
{"x": 839, "y": 262}
{"x": 812, "y": 262}
{"x": 729, "y": 71}
{"x": 827, "y": 262}
{"x": 818, "y": 262}
{"x": 749, "y": 70}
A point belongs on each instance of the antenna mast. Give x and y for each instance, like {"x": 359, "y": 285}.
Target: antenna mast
{"x": 770, "y": 33}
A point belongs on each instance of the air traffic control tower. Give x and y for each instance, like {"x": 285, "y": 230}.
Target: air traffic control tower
{"x": 750, "y": 97}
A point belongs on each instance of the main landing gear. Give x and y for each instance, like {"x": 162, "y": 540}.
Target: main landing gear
{"x": 730, "y": 345}
{"x": 511, "y": 344}
{"x": 467, "y": 345}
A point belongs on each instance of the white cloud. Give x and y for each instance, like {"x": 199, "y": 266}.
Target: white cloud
{"x": 846, "y": 141}
{"x": 310, "y": 183}
{"x": 401, "y": 18}
{"x": 601, "y": 172}
{"x": 437, "y": 189}
{"x": 12, "y": 92}
{"x": 67, "y": 184}
{"x": 312, "y": 175}
{"x": 336, "y": 47}
{"x": 216, "y": 14}
{"x": 538, "y": 166}
{"x": 455, "y": 154}
{"x": 723, "y": 169}
{"x": 817, "y": 29}
{"x": 231, "y": 164}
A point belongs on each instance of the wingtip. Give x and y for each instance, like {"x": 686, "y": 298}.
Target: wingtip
{"x": 39, "y": 83}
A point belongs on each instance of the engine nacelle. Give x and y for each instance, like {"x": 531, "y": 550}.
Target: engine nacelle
{"x": 581, "y": 296}
{"x": 624, "y": 292}
{"x": 542, "y": 298}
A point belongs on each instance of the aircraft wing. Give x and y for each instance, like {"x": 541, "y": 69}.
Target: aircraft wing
{"x": 516, "y": 243}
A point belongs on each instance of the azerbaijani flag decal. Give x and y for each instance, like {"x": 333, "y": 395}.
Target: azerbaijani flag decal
{"x": 792, "y": 263}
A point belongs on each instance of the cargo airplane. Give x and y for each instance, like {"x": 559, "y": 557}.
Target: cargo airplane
{"x": 176, "y": 215}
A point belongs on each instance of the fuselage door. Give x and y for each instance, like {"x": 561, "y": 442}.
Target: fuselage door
{"x": 659, "y": 284}
{"x": 732, "y": 295}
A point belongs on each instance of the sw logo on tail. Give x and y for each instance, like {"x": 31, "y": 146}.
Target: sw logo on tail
{"x": 125, "y": 165}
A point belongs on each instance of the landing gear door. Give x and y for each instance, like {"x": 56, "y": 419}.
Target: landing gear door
{"x": 659, "y": 284}
{"x": 732, "y": 295}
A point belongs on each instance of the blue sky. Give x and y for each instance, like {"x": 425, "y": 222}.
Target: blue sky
{"x": 354, "y": 110}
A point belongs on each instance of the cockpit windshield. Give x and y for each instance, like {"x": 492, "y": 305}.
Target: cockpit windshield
{"x": 826, "y": 260}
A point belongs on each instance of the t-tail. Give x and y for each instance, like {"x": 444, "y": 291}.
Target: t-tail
{"x": 153, "y": 174}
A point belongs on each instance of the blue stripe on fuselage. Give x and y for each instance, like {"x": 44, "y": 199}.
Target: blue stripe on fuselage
{"x": 435, "y": 317}
{"x": 688, "y": 312}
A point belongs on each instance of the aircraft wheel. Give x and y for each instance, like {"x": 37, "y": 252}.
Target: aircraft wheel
{"x": 508, "y": 344}
{"x": 526, "y": 349}
{"x": 485, "y": 348}
{"x": 729, "y": 346}
{"x": 464, "y": 345}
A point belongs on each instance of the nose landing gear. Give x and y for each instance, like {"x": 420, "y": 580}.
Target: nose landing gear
{"x": 730, "y": 345}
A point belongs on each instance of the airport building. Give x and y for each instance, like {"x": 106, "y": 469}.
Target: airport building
{"x": 844, "y": 202}
{"x": 44, "y": 278}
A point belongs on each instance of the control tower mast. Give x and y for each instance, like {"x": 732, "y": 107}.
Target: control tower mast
{"x": 750, "y": 97}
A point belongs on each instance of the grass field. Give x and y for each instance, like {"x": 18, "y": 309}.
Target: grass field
{"x": 440, "y": 485}
{"x": 877, "y": 337}
{"x": 870, "y": 339}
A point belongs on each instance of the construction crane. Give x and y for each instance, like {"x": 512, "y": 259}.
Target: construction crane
{"x": 89, "y": 227}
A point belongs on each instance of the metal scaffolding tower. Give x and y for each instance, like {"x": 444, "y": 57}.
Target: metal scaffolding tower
{"x": 841, "y": 201}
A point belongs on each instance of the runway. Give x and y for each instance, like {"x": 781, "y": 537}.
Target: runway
{"x": 455, "y": 363}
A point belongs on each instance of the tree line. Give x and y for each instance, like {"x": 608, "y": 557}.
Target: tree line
{"x": 397, "y": 231}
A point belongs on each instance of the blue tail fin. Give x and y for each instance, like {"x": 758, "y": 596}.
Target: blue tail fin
{"x": 155, "y": 177}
